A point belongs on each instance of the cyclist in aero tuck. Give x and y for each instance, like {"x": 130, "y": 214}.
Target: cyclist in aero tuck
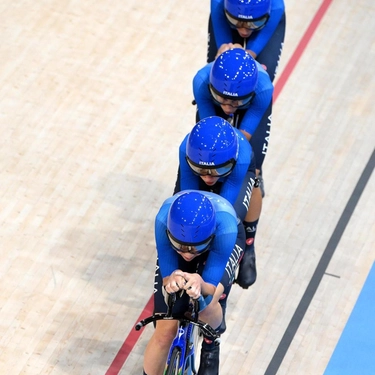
{"x": 255, "y": 25}
{"x": 198, "y": 244}
{"x": 216, "y": 157}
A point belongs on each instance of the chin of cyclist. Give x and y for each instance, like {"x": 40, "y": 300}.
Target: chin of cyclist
{"x": 199, "y": 245}
{"x": 255, "y": 25}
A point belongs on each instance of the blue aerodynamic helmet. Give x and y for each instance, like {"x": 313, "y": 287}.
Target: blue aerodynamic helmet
{"x": 191, "y": 222}
{"x": 250, "y": 14}
{"x": 212, "y": 147}
{"x": 234, "y": 76}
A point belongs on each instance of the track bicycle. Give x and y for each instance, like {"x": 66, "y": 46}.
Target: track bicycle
{"x": 181, "y": 359}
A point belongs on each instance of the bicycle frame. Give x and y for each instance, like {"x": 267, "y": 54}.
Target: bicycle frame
{"x": 182, "y": 349}
{"x": 185, "y": 343}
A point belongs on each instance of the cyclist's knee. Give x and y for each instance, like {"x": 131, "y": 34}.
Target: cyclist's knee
{"x": 214, "y": 306}
{"x": 165, "y": 339}
{"x": 218, "y": 292}
{"x": 165, "y": 332}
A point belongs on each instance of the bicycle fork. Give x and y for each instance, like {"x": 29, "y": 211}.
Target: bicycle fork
{"x": 184, "y": 344}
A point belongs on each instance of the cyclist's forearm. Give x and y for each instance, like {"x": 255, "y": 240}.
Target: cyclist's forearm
{"x": 207, "y": 289}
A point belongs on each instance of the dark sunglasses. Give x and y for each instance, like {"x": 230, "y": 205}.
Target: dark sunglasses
{"x": 191, "y": 248}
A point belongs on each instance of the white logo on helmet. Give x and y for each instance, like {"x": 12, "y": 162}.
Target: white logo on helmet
{"x": 206, "y": 163}
{"x": 230, "y": 93}
{"x": 245, "y": 16}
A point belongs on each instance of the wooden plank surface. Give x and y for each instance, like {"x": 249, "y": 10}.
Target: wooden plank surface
{"x": 95, "y": 99}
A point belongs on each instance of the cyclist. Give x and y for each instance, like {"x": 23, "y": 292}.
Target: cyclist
{"x": 236, "y": 88}
{"x": 256, "y": 25}
{"x": 198, "y": 245}
{"x": 216, "y": 157}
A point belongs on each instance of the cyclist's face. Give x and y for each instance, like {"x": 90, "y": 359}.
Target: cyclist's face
{"x": 228, "y": 108}
{"x": 246, "y": 27}
{"x": 190, "y": 251}
{"x": 244, "y": 32}
{"x": 229, "y": 105}
{"x": 209, "y": 180}
{"x": 188, "y": 256}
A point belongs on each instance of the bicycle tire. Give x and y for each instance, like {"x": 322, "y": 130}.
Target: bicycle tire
{"x": 173, "y": 368}
{"x": 197, "y": 341}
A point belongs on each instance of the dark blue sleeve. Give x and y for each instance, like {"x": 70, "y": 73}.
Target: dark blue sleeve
{"x": 168, "y": 258}
{"x": 220, "y": 24}
{"x": 259, "y": 39}
{"x": 188, "y": 180}
{"x": 263, "y": 97}
{"x": 201, "y": 91}
{"x": 221, "y": 249}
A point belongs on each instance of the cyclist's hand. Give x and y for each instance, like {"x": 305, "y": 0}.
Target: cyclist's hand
{"x": 175, "y": 282}
{"x": 193, "y": 283}
{"x": 227, "y": 46}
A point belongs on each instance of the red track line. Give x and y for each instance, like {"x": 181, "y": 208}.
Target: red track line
{"x": 300, "y": 48}
{"x": 130, "y": 341}
{"x": 134, "y": 335}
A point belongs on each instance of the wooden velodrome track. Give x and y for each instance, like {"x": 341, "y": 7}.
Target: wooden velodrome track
{"x": 95, "y": 99}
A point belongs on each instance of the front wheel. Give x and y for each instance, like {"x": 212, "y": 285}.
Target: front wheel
{"x": 173, "y": 367}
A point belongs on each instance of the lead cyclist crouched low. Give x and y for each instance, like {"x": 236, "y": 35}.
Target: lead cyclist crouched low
{"x": 199, "y": 241}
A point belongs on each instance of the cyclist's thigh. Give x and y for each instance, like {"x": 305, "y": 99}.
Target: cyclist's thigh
{"x": 165, "y": 330}
{"x": 177, "y": 186}
{"x": 241, "y": 205}
{"x": 234, "y": 259}
{"x": 270, "y": 55}
{"x": 259, "y": 140}
{"x": 218, "y": 293}
{"x": 211, "y": 47}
